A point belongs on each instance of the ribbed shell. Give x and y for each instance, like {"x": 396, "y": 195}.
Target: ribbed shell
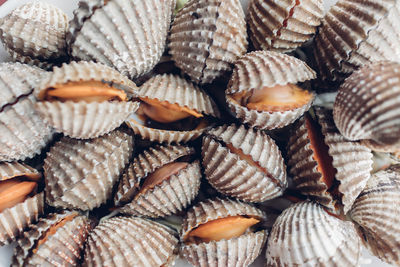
{"x": 261, "y": 69}
{"x": 306, "y": 235}
{"x": 368, "y": 104}
{"x": 9, "y": 170}
{"x": 380, "y": 147}
{"x": 130, "y": 241}
{"x": 81, "y": 174}
{"x": 376, "y": 210}
{"x": 63, "y": 248}
{"x": 352, "y": 161}
{"x": 283, "y": 25}
{"x": 35, "y": 32}
{"x": 235, "y": 177}
{"x": 129, "y": 36}
{"x": 207, "y": 37}
{"x": 354, "y": 33}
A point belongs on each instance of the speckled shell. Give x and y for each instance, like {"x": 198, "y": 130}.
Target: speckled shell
{"x": 283, "y": 25}
{"x": 376, "y": 210}
{"x": 235, "y": 177}
{"x": 81, "y": 119}
{"x": 63, "y": 248}
{"x": 306, "y": 235}
{"x": 240, "y": 251}
{"x": 80, "y": 174}
{"x": 169, "y": 197}
{"x": 261, "y": 69}
{"x": 352, "y": 161}
{"x": 129, "y": 36}
{"x": 34, "y": 33}
{"x": 368, "y": 104}
{"x": 23, "y": 133}
{"x": 207, "y": 37}
{"x": 130, "y": 241}
{"x": 354, "y": 33}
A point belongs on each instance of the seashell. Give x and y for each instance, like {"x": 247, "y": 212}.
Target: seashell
{"x": 129, "y": 36}
{"x": 80, "y": 174}
{"x": 368, "y": 105}
{"x": 325, "y": 165}
{"x": 103, "y": 93}
{"x": 238, "y": 247}
{"x": 130, "y": 241}
{"x": 172, "y": 110}
{"x": 264, "y": 75}
{"x": 34, "y": 33}
{"x": 207, "y": 37}
{"x": 285, "y": 25}
{"x": 376, "y": 210}
{"x": 56, "y": 240}
{"x": 23, "y": 134}
{"x": 355, "y": 33}
{"x": 160, "y": 181}
{"x": 315, "y": 238}
{"x": 243, "y": 163}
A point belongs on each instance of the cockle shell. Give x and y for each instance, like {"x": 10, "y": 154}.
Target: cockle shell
{"x": 129, "y": 36}
{"x": 207, "y": 37}
{"x": 130, "y": 241}
{"x": 80, "y": 174}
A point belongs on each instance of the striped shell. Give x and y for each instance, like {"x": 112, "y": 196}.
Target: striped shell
{"x": 129, "y": 36}
{"x": 130, "y": 241}
{"x": 351, "y": 161}
{"x": 376, "y": 210}
{"x": 240, "y": 251}
{"x": 261, "y": 69}
{"x": 34, "y": 33}
{"x": 233, "y": 175}
{"x": 81, "y": 174}
{"x": 283, "y": 25}
{"x": 354, "y": 33}
{"x": 368, "y": 104}
{"x": 169, "y": 197}
{"x": 207, "y": 36}
{"x": 306, "y": 235}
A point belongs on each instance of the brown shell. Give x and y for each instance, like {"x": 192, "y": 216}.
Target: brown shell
{"x": 130, "y": 241}
{"x": 9, "y": 170}
{"x": 231, "y": 175}
{"x": 81, "y": 174}
{"x": 285, "y": 25}
{"x": 207, "y": 37}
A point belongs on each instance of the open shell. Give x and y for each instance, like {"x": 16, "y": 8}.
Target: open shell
{"x": 129, "y": 36}
{"x": 207, "y": 37}
{"x": 306, "y": 235}
{"x": 261, "y": 69}
{"x": 81, "y": 174}
{"x": 234, "y": 176}
{"x": 130, "y": 241}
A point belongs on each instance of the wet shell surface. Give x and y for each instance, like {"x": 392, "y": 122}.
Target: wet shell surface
{"x": 285, "y": 25}
{"x": 238, "y": 251}
{"x": 34, "y": 34}
{"x": 56, "y": 240}
{"x": 80, "y": 174}
{"x": 165, "y": 198}
{"x": 129, "y": 36}
{"x": 207, "y": 37}
{"x": 316, "y": 157}
{"x": 306, "y": 235}
{"x": 262, "y": 69}
{"x": 243, "y": 163}
{"x": 130, "y": 241}
{"x": 376, "y": 210}
{"x": 23, "y": 133}
{"x": 354, "y": 33}
{"x": 368, "y": 105}
{"x": 80, "y": 119}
